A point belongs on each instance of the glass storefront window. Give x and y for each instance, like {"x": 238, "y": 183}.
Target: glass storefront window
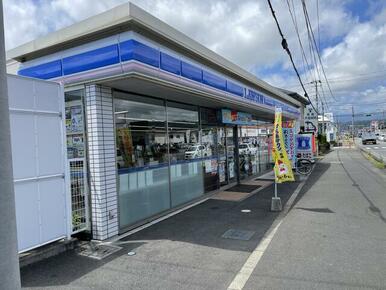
{"x": 142, "y": 158}
{"x": 170, "y": 153}
{"x": 186, "y": 153}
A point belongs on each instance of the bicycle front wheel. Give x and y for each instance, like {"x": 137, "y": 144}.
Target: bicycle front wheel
{"x": 304, "y": 166}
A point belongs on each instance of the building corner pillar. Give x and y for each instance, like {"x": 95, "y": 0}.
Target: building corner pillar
{"x": 102, "y": 161}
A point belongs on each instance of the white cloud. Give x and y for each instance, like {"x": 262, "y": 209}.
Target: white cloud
{"x": 242, "y": 31}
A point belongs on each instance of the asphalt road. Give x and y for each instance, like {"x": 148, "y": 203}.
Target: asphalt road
{"x": 335, "y": 235}
{"x": 378, "y": 149}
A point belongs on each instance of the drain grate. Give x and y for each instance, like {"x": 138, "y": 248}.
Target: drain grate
{"x": 238, "y": 234}
{"x": 243, "y": 188}
{"x": 96, "y": 251}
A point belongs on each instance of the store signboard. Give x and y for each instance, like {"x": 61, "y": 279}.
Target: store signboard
{"x": 289, "y": 140}
{"x": 310, "y": 120}
{"x": 304, "y": 146}
{"x": 237, "y": 118}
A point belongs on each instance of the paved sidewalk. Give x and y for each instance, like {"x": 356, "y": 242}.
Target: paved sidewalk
{"x": 186, "y": 251}
{"x": 335, "y": 235}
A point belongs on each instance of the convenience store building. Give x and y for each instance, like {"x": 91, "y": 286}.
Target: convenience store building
{"x": 154, "y": 120}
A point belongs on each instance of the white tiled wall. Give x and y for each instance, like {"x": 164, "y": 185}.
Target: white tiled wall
{"x": 101, "y": 150}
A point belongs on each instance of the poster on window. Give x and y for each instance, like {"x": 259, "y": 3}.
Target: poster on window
{"x": 221, "y": 171}
{"x": 125, "y": 145}
{"x": 76, "y": 119}
{"x": 208, "y": 166}
{"x": 231, "y": 169}
{"x": 214, "y": 166}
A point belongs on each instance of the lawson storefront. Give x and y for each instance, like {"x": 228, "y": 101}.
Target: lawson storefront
{"x": 154, "y": 120}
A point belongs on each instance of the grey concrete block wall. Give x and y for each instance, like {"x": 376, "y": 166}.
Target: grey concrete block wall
{"x": 102, "y": 161}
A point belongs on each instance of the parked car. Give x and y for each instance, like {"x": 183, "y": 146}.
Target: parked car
{"x": 369, "y": 137}
{"x": 247, "y": 148}
{"x": 382, "y": 137}
{"x": 197, "y": 151}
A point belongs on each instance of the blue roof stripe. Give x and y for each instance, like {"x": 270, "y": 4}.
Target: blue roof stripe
{"x": 170, "y": 64}
{"x": 91, "y": 59}
{"x": 235, "y": 89}
{"x": 213, "y": 80}
{"x": 45, "y": 71}
{"x": 191, "y": 71}
{"x": 135, "y": 50}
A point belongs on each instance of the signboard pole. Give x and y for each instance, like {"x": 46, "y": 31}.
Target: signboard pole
{"x": 275, "y": 187}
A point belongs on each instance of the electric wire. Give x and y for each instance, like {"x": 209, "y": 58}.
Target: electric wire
{"x": 317, "y": 49}
{"x": 294, "y": 22}
{"x": 284, "y": 44}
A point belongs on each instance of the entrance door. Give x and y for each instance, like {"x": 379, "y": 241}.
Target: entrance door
{"x": 210, "y": 157}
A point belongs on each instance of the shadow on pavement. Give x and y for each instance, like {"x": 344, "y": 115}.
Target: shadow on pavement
{"x": 319, "y": 170}
{"x": 64, "y": 268}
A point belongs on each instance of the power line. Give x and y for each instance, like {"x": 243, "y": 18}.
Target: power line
{"x": 358, "y": 80}
{"x": 359, "y": 104}
{"x": 294, "y": 22}
{"x": 364, "y": 76}
{"x": 284, "y": 44}
{"x": 361, "y": 114}
{"x": 317, "y": 50}
{"x": 317, "y": 17}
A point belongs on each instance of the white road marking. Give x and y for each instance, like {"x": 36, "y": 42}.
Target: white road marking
{"x": 368, "y": 148}
{"x": 383, "y": 147}
{"x": 243, "y": 275}
{"x": 376, "y": 147}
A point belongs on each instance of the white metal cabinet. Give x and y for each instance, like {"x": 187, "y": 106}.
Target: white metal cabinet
{"x": 39, "y": 161}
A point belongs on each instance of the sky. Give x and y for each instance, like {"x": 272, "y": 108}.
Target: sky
{"x": 350, "y": 35}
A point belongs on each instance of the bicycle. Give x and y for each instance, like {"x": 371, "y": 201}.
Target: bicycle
{"x": 303, "y": 166}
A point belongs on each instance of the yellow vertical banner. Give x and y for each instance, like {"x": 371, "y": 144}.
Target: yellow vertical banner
{"x": 283, "y": 167}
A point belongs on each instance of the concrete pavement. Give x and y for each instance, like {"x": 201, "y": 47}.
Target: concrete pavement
{"x": 334, "y": 237}
{"x": 186, "y": 251}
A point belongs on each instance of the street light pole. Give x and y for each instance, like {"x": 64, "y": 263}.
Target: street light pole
{"x": 9, "y": 260}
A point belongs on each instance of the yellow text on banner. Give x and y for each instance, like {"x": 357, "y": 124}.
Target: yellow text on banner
{"x": 283, "y": 167}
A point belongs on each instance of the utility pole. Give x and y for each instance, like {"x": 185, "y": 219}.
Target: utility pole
{"x": 352, "y": 123}
{"x": 323, "y": 129}
{"x": 316, "y": 82}
{"x": 9, "y": 259}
